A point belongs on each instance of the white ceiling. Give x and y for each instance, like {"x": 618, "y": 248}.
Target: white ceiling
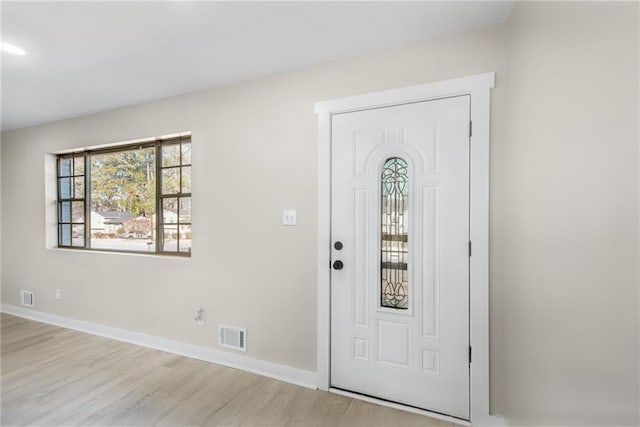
{"x": 86, "y": 57}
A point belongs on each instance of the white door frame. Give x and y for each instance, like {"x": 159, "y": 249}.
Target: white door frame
{"x": 478, "y": 87}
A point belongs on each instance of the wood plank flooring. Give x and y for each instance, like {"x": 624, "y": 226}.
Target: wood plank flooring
{"x": 57, "y": 376}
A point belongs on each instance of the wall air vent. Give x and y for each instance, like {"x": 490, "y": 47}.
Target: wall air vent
{"x": 26, "y": 298}
{"x": 232, "y": 337}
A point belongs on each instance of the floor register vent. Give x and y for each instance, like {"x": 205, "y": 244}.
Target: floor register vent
{"x": 232, "y": 337}
{"x": 26, "y": 298}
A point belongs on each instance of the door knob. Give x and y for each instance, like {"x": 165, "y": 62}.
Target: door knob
{"x": 338, "y": 265}
{"x": 337, "y": 245}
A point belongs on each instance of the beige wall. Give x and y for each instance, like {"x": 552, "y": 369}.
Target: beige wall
{"x": 570, "y": 225}
{"x": 564, "y": 209}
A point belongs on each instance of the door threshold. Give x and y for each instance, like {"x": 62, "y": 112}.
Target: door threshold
{"x": 400, "y": 406}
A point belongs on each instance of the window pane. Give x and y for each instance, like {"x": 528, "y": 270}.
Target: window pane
{"x": 171, "y": 155}
{"x": 77, "y": 212}
{"x": 170, "y": 238}
{"x": 123, "y": 200}
{"x": 65, "y": 212}
{"x": 170, "y": 210}
{"x": 65, "y": 235}
{"x": 79, "y": 187}
{"x": 77, "y": 234}
{"x": 186, "y": 153}
{"x": 186, "y": 179}
{"x": 78, "y": 165}
{"x": 185, "y": 238}
{"x": 394, "y": 237}
{"x": 170, "y": 180}
{"x": 65, "y": 188}
{"x": 64, "y": 166}
{"x": 185, "y": 209}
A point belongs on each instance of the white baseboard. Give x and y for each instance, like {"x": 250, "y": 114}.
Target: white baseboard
{"x": 498, "y": 421}
{"x": 272, "y": 370}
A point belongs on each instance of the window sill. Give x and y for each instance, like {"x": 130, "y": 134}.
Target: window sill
{"x": 121, "y": 253}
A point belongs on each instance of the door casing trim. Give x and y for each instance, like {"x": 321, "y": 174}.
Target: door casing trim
{"x": 478, "y": 87}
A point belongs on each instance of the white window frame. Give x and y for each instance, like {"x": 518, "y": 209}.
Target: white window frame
{"x": 478, "y": 87}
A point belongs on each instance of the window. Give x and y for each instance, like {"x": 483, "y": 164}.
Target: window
{"x": 175, "y": 196}
{"x": 130, "y": 198}
{"x": 71, "y": 200}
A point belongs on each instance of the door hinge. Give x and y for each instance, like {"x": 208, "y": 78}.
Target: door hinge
{"x": 469, "y": 248}
{"x": 469, "y": 354}
{"x": 470, "y": 129}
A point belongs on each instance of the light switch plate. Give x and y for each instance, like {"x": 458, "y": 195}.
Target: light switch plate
{"x": 290, "y": 217}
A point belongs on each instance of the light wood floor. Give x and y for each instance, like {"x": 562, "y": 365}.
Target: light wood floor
{"x": 57, "y": 376}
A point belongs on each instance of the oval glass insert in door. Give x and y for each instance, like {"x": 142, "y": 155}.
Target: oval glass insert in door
{"x": 394, "y": 286}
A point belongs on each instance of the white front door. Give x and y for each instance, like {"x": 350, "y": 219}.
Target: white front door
{"x": 400, "y": 254}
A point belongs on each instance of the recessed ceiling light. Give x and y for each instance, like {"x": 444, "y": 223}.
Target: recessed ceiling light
{"x": 10, "y": 48}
